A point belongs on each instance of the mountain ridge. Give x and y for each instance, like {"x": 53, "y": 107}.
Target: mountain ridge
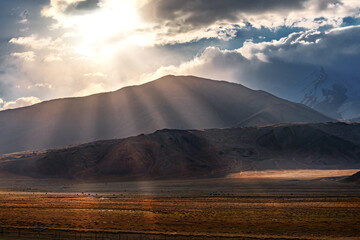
{"x": 355, "y": 178}
{"x": 173, "y": 154}
{"x": 176, "y": 102}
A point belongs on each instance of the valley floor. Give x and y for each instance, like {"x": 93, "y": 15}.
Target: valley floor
{"x": 190, "y": 209}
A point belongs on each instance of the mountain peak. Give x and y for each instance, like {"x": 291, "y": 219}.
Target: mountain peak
{"x": 174, "y": 102}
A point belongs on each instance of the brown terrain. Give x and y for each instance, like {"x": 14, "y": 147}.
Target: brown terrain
{"x": 353, "y": 178}
{"x": 180, "y": 154}
{"x": 228, "y": 208}
{"x": 169, "y": 102}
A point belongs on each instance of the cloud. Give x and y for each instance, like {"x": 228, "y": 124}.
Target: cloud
{"x": 24, "y": 17}
{"x": 97, "y": 28}
{"x": 26, "y": 56}
{"x": 75, "y": 73}
{"x": 96, "y": 74}
{"x": 81, "y": 6}
{"x": 71, "y": 7}
{"x": 88, "y": 46}
{"x": 308, "y": 47}
{"x": 53, "y": 58}
{"x": 207, "y": 12}
{"x": 42, "y": 85}
{"x": 34, "y": 42}
{"x": 175, "y": 18}
{"x": 162, "y": 22}
{"x": 21, "y": 102}
{"x": 280, "y": 66}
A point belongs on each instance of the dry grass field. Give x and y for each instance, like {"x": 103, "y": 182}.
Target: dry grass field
{"x": 186, "y": 210}
{"x": 217, "y": 216}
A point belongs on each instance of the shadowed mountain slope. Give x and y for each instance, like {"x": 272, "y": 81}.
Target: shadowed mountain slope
{"x": 169, "y": 102}
{"x": 353, "y": 178}
{"x": 183, "y": 153}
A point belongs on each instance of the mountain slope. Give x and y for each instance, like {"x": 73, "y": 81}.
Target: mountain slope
{"x": 182, "y": 153}
{"x": 353, "y": 178}
{"x": 355, "y": 120}
{"x": 169, "y": 102}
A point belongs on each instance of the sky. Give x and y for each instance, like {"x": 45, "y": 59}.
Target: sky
{"x": 68, "y": 48}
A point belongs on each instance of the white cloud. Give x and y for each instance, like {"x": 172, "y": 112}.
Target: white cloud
{"x": 52, "y": 58}
{"x": 212, "y": 63}
{"x": 24, "y": 29}
{"x": 74, "y": 74}
{"x": 35, "y": 42}
{"x": 96, "y": 74}
{"x": 44, "y": 85}
{"x": 23, "y": 21}
{"x": 20, "y": 102}
{"x": 24, "y": 17}
{"x": 26, "y": 56}
{"x": 101, "y": 27}
{"x": 310, "y": 47}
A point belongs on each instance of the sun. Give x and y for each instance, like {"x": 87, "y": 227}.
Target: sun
{"x": 107, "y": 28}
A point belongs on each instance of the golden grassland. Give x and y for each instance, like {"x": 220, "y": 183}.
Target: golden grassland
{"x": 219, "y": 208}
{"x": 223, "y": 215}
{"x": 298, "y": 174}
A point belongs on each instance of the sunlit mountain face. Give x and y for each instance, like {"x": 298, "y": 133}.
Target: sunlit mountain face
{"x": 302, "y": 50}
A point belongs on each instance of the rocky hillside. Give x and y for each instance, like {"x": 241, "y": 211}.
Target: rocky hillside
{"x": 184, "y": 153}
{"x": 353, "y": 178}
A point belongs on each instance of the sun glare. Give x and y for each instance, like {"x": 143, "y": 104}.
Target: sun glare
{"x": 107, "y": 29}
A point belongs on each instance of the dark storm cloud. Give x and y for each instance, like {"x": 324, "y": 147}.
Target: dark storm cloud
{"x": 324, "y": 4}
{"x": 79, "y": 7}
{"x": 205, "y": 12}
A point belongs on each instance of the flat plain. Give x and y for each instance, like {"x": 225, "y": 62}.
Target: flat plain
{"x": 227, "y": 208}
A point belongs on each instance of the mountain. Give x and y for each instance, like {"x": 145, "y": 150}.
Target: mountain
{"x": 331, "y": 96}
{"x": 183, "y": 102}
{"x": 355, "y": 120}
{"x": 197, "y": 153}
{"x": 353, "y": 178}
